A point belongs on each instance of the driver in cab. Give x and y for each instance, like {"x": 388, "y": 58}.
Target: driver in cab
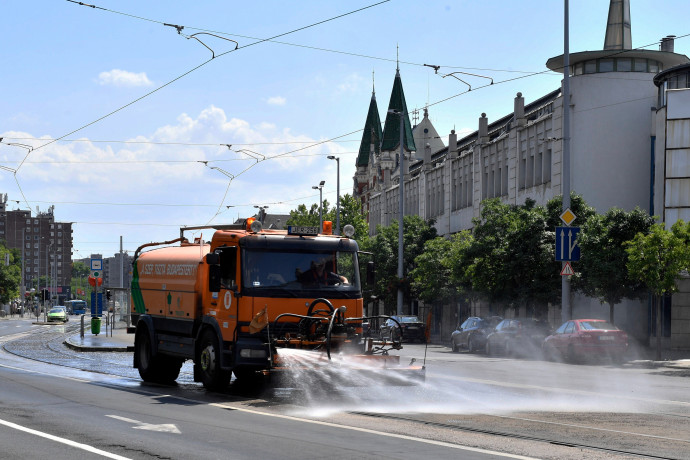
{"x": 320, "y": 274}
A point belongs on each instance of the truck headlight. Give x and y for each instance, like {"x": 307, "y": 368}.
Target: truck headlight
{"x": 252, "y": 353}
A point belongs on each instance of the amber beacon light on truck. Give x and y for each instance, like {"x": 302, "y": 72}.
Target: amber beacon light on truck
{"x": 260, "y": 304}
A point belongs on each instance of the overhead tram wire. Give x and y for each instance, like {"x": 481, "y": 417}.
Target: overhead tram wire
{"x": 189, "y": 71}
{"x": 298, "y": 45}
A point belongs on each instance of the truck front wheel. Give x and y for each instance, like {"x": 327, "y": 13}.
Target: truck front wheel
{"x": 156, "y": 369}
{"x": 212, "y": 376}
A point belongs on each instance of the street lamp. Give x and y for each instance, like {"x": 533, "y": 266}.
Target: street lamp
{"x": 320, "y": 188}
{"x": 337, "y": 200}
{"x": 401, "y": 209}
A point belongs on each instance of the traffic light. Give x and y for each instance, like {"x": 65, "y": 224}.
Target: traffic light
{"x": 107, "y": 294}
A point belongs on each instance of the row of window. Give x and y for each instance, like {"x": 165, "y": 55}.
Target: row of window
{"x": 620, "y": 64}
{"x": 680, "y": 80}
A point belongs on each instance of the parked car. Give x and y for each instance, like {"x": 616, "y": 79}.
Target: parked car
{"x": 412, "y": 328}
{"x": 518, "y": 337}
{"x": 58, "y": 313}
{"x": 580, "y": 339}
{"x": 471, "y": 334}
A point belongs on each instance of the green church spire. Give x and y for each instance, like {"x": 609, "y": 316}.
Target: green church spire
{"x": 391, "y": 130}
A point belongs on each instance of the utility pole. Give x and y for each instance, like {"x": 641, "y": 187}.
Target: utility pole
{"x": 566, "y": 312}
{"x": 337, "y": 199}
{"x": 401, "y": 210}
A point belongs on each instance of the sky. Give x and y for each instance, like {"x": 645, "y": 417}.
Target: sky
{"x": 131, "y": 129}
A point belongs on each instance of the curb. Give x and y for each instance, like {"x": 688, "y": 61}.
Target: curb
{"x": 114, "y": 348}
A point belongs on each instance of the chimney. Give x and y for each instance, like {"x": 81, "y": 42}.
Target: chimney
{"x": 427, "y": 157}
{"x": 519, "y": 110}
{"x": 483, "y": 129}
{"x": 453, "y": 144}
{"x": 667, "y": 43}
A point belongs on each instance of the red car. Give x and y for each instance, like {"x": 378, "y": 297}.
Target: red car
{"x": 580, "y": 339}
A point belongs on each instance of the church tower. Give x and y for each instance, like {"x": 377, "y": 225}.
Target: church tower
{"x": 390, "y": 145}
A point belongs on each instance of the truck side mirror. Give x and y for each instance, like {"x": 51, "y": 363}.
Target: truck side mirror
{"x": 214, "y": 278}
{"x": 213, "y": 258}
{"x": 371, "y": 273}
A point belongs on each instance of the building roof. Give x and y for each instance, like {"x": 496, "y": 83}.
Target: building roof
{"x": 425, "y": 133}
{"x": 372, "y": 133}
{"x": 391, "y": 130}
{"x": 666, "y": 58}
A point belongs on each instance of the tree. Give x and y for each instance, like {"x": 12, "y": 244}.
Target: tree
{"x": 656, "y": 259}
{"x": 10, "y": 273}
{"x": 510, "y": 258}
{"x": 350, "y": 213}
{"x": 459, "y": 260}
{"x": 602, "y": 268}
{"x": 578, "y": 206}
{"x": 431, "y": 279}
{"x": 384, "y": 246}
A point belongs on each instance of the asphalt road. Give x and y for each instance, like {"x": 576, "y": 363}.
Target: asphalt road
{"x": 95, "y": 406}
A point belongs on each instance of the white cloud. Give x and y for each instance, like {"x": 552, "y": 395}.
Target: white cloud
{"x": 117, "y": 77}
{"x": 350, "y": 84}
{"x": 276, "y": 100}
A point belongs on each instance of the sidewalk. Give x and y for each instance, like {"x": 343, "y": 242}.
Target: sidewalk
{"x": 115, "y": 340}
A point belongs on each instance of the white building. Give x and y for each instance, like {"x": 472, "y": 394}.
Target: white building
{"x": 616, "y": 155}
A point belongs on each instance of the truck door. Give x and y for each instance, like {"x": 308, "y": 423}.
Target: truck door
{"x": 229, "y": 280}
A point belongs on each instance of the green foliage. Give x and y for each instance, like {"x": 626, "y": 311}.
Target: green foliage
{"x": 11, "y": 274}
{"x": 602, "y": 268}
{"x": 384, "y": 246}
{"x": 578, "y": 206}
{"x": 459, "y": 260}
{"x": 431, "y": 276}
{"x": 657, "y": 258}
{"x": 510, "y": 258}
{"x": 80, "y": 270}
{"x": 350, "y": 213}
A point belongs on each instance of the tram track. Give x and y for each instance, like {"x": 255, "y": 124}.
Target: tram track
{"x": 553, "y": 440}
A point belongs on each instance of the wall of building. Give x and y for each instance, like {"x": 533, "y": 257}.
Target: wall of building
{"x": 610, "y": 148}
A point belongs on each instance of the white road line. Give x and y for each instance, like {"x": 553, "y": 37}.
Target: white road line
{"x": 45, "y": 373}
{"x": 64, "y": 441}
{"x": 377, "y": 433}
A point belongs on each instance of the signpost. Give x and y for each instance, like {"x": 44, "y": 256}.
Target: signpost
{"x": 567, "y": 249}
{"x": 96, "y": 279}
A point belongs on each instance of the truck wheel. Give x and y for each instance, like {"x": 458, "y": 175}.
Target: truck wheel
{"x": 158, "y": 369}
{"x": 212, "y": 376}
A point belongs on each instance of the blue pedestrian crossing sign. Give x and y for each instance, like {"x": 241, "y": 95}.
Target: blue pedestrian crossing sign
{"x": 566, "y": 244}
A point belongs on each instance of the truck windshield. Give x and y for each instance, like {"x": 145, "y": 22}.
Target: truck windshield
{"x": 276, "y": 273}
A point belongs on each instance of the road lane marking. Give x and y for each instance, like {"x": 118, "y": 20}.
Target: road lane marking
{"x": 45, "y": 373}
{"x": 374, "y": 432}
{"x": 164, "y": 427}
{"x": 78, "y": 445}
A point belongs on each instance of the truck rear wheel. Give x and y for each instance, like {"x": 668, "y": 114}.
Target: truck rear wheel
{"x": 212, "y": 376}
{"x": 156, "y": 369}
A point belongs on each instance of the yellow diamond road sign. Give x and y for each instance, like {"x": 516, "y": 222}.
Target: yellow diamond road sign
{"x": 568, "y": 216}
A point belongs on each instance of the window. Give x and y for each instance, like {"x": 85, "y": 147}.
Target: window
{"x": 606, "y": 65}
{"x": 591, "y": 67}
{"x": 624, "y": 65}
{"x": 640, "y": 65}
{"x": 547, "y": 166}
